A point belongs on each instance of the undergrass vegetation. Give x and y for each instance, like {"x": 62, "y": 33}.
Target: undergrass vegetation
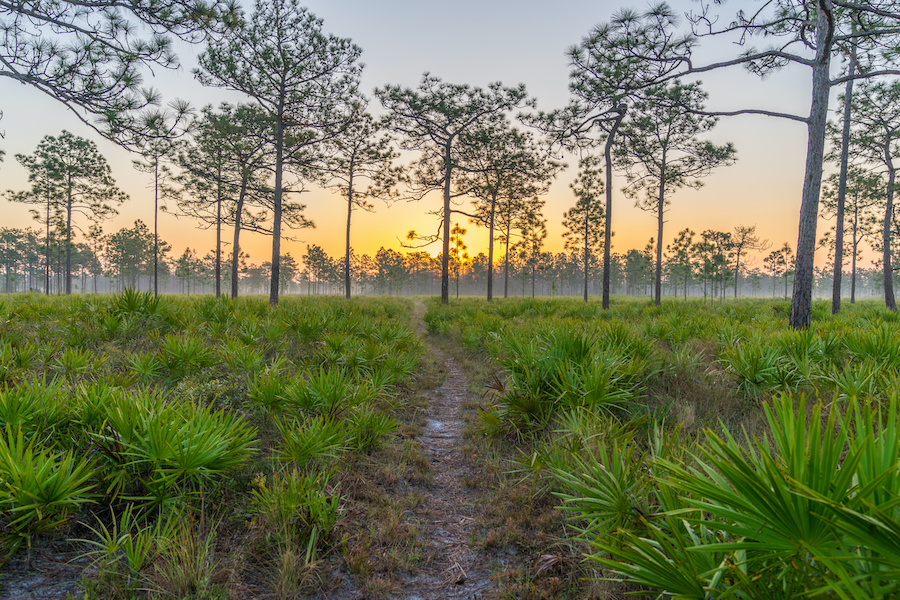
{"x": 690, "y": 451}
{"x": 203, "y": 448}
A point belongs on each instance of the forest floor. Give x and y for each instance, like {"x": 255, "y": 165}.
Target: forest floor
{"x": 457, "y": 565}
{"x": 454, "y": 564}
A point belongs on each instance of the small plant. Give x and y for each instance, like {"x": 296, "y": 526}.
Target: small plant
{"x": 132, "y": 302}
{"x": 329, "y": 393}
{"x": 367, "y": 428}
{"x": 266, "y": 390}
{"x": 185, "y": 561}
{"x": 125, "y": 549}
{"x": 185, "y": 353}
{"x": 759, "y": 368}
{"x": 72, "y": 363}
{"x": 241, "y": 357}
{"x": 311, "y": 441}
{"x": 145, "y": 365}
{"x": 39, "y": 488}
{"x": 297, "y": 508}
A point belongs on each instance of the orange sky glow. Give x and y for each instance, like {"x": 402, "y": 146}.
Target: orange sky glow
{"x": 763, "y": 188}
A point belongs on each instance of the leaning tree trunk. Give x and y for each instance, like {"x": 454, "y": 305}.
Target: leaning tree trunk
{"x": 842, "y": 189}
{"x": 607, "y": 238}
{"x": 801, "y": 301}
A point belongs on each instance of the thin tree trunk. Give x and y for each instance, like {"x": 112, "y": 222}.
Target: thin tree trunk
{"x": 853, "y": 258}
{"x": 156, "y": 227}
{"x": 347, "y": 250}
{"x": 801, "y": 302}
{"x": 69, "y": 239}
{"x": 889, "y": 299}
{"x": 842, "y": 188}
{"x": 219, "y": 229}
{"x": 657, "y": 290}
{"x": 607, "y": 242}
{"x": 445, "y": 257}
{"x": 276, "y": 226}
{"x": 506, "y": 265}
{"x": 47, "y": 249}
{"x": 587, "y": 251}
{"x": 490, "y": 273}
{"x": 236, "y": 246}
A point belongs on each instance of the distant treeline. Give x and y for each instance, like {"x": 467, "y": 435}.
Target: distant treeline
{"x": 694, "y": 266}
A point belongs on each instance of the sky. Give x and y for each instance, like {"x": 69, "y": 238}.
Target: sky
{"x": 475, "y": 42}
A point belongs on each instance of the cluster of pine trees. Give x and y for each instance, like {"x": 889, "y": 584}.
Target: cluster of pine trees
{"x": 636, "y": 108}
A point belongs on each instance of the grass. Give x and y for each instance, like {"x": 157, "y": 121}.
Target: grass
{"x": 153, "y": 429}
{"x": 216, "y": 448}
{"x": 703, "y": 385}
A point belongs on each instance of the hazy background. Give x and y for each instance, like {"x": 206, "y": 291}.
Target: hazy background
{"x": 474, "y": 42}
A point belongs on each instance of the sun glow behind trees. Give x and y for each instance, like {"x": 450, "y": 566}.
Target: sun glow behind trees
{"x": 742, "y": 199}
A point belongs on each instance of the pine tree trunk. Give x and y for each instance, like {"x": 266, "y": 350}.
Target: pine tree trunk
{"x": 276, "y": 226}
{"x": 156, "y": 228}
{"x": 506, "y": 266}
{"x": 801, "y": 302}
{"x": 490, "y": 273}
{"x": 607, "y": 242}
{"x": 236, "y": 246}
{"x": 889, "y": 299}
{"x": 347, "y": 249}
{"x": 842, "y": 189}
{"x": 219, "y": 230}
{"x": 587, "y": 251}
{"x": 661, "y": 206}
{"x": 69, "y": 240}
{"x": 853, "y": 258}
{"x": 445, "y": 257}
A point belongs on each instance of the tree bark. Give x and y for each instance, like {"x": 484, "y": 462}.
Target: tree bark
{"x": 801, "y": 302}
{"x": 490, "y": 273}
{"x": 276, "y": 225}
{"x": 69, "y": 239}
{"x": 347, "y": 249}
{"x": 47, "y": 249}
{"x": 842, "y": 189}
{"x": 156, "y": 228}
{"x": 236, "y": 246}
{"x": 219, "y": 229}
{"x": 445, "y": 256}
{"x": 607, "y": 238}
{"x": 587, "y": 252}
{"x": 853, "y": 258}
{"x": 506, "y": 264}
{"x": 661, "y": 205}
{"x": 889, "y": 299}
